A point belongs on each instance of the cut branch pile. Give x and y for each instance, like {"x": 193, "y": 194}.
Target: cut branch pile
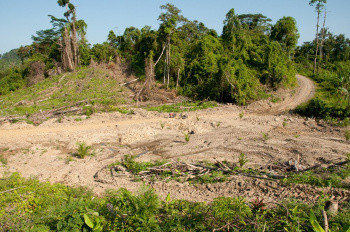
{"x": 187, "y": 171}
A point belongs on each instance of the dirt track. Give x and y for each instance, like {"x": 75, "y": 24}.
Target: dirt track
{"x": 219, "y": 134}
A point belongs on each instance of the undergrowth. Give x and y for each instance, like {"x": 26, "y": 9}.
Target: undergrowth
{"x": 91, "y": 86}
{"x": 29, "y": 205}
{"x": 183, "y": 107}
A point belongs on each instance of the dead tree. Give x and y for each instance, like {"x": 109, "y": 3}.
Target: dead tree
{"x": 149, "y": 83}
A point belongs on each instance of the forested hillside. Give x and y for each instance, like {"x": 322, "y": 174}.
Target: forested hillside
{"x": 250, "y": 57}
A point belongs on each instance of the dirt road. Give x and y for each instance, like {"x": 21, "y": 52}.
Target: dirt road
{"x": 290, "y": 99}
{"x": 221, "y": 134}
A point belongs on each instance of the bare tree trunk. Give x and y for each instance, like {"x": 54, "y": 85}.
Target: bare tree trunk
{"x": 316, "y": 53}
{"x": 178, "y": 77}
{"x": 165, "y": 65}
{"x": 169, "y": 57}
{"x": 75, "y": 44}
{"x": 323, "y": 37}
{"x": 68, "y": 63}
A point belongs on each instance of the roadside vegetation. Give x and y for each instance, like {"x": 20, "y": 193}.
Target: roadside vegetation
{"x": 239, "y": 66}
{"x": 28, "y": 204}
{"x": 326, "y": 61}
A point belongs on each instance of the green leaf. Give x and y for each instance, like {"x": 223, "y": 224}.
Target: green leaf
{"x": 88, "y": 222}
{"x": 168, "y": 198}
{"x": 315, "y": 225}
{"x": 59, "y": 225}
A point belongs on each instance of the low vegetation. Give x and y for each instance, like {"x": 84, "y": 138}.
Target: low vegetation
{"x": 29, "y": 205}
{"x": 88, "y": 88}
{"x": 83, "y": 150}
{"x": 183, "y": 107}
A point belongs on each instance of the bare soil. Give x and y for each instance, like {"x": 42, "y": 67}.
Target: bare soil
{"x": 46, "y": 151}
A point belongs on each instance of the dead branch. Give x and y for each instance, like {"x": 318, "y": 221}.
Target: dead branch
{"x": 10, "y": 190}
{"x": 325, "y": 221}
{"x": 257, "y": 177}
{"x": 126, "y": 83}
{"x": 160, "y": 56}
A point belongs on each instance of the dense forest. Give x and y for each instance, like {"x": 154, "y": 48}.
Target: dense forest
{"x": 250, "y": 57}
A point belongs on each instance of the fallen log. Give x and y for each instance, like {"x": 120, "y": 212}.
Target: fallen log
{"x": 126, "y": 83}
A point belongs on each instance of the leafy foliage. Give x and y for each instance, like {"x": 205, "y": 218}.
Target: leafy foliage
{"x": 33, "y": 206}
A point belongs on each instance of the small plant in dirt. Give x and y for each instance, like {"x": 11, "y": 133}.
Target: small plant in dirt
{"x": 83, "y": 150}
{"x": 88, "y": 110}
{"x": 284, "y": 123}
{"x": 242, "y": 159}
{"x": 68, "y": 160}
{"x": 197, "y": 117}
{"x": 59, "y": 120}
{"x": 187, "y": 137}
{"x": 347, "y": 135}
{"x": 162, "y": 124}
{"x": 218, "y": 124}
{"x": 241, "y": 115}
{"x": 3, "y": 160}
{"x": 265, "y": 136}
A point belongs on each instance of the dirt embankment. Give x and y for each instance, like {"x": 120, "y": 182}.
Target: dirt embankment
{"x": 221, "y": 134}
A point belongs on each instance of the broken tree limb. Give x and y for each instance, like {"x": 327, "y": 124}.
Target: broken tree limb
{"x": 257, "y": 177}
{"x": 319, "y": 166}
{"x": 325, "y": 221}
{"x": 66, "y": 111}
{"x": 126, "y": 83}
{"x": 160, "y": 56}
{"x": 10, "y": 190}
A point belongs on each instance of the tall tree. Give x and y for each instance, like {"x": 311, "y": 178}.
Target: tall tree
{"x": 232, "y": 25}
{"x": 319, "y": 5}
{"x": 323, "y": 34}
{"x": 286, "y": 33}
{"x": 169, "y": 22}
{"x": 69, "y": 43}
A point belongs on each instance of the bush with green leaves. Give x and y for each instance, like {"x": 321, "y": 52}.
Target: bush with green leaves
{"x": 30, "y": 205}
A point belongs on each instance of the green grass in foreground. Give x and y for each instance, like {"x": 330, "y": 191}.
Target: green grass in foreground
{"x": 28, "y": 205}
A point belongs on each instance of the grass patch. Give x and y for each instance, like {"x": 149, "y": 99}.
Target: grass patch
{"x": 135, "y": 167}
{"x": 333, "y": 177}
{"x": 65, "y": 90}
{"x": 183, "y": 107}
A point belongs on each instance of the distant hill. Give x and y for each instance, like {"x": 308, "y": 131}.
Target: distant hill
{"x": 9, "y": 59}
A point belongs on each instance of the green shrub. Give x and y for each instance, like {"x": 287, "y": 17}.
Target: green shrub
{"x": 83, "y": 150}
{"x": 347, "y": 135}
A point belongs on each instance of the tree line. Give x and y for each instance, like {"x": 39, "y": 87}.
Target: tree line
{"x": 237, "y": 66}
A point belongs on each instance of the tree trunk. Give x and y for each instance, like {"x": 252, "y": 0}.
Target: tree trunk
{"x": 165, "y": 64}
{"x": 75, "y": 44}
{"x": 168, "y": 69}
{"x": 323, "y": 38}
{"x": 67, "y": 61}
{"x": 178, "y": 77}
{"x": 317, "y": 26}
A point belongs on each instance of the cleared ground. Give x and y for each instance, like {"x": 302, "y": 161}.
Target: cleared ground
{"x": 264, "y": 131}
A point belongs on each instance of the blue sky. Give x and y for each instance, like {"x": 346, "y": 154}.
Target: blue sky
{"x": 20, "y": 19}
